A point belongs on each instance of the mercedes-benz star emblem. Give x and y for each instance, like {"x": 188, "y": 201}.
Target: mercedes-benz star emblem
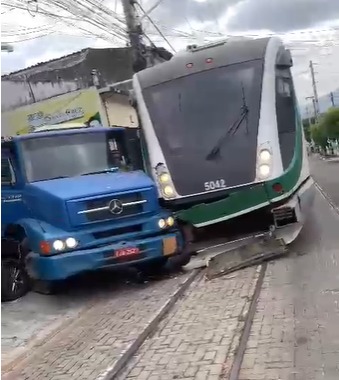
{"x": 115, "y": 207}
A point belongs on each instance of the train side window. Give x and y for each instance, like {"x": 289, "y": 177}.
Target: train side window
{"x": 7, "y": 172}
{"x": 286, "y": 114}
{"x": 284, "y": 88}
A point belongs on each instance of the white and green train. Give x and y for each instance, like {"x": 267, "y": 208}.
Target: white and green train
{"x": 224, "y": 136}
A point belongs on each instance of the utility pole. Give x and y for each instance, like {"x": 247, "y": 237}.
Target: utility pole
{"x": 135, "y": 35}
{"x": 143, "y": 56}
{"x": 314, "y": 108}
{"x": 308, "y": 117}
{"x": 332, "y": 99}
{"x": 315, "y": 92}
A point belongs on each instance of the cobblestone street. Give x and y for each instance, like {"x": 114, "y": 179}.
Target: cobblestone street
{"x": 87, "y": 345}
{"x": 198, "y": 339}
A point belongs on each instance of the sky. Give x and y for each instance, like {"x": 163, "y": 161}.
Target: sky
{"x": 310, "y": 28}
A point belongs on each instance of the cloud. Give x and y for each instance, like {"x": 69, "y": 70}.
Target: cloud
{"x": 283, "y": 15}
{"x": 275, "y": 15}
{"x": 187, "y": 21}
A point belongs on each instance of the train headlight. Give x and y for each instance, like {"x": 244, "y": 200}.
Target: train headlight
{"x": 264, "y": 170}
{"x": 265, "y": 156}
{"x": 58, "y": 245}
{"x": 168, "y": 191}
{"x": 164, "y": 178}
{"x": 165, "y": 182}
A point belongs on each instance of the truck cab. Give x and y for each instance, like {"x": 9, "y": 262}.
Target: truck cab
{"x": 75, "y": 201}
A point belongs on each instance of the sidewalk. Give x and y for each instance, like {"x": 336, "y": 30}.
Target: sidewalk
{"x": 295, "y": 334}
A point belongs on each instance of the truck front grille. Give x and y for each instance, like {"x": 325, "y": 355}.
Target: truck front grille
{"x": 117, "y": 231}
{"x": 113, "y": 207}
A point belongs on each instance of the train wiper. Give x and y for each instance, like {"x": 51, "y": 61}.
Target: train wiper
{"x": 215, "y": 152}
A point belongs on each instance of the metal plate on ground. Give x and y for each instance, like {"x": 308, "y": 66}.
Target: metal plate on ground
{"x": 244, "y": 256}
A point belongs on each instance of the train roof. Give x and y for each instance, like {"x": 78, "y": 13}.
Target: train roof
{"x": 199, "y": 58}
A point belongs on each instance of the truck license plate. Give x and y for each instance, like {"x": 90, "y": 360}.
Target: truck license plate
{"x": 126, "y": 252}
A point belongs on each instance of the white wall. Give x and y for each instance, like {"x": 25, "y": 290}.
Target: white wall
{"x": 17, "y": 93}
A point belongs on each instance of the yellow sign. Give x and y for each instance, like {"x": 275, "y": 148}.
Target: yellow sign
{"x": 79, "y": 106}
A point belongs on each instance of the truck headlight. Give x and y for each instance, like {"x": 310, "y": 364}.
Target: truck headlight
{"x": 71, "y": 242}
{"x": 58, "y": 245}
{"x": 170, "y": 221}
{"x": 162, "y": 223}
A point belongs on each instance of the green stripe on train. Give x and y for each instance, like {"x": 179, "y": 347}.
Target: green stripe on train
{"x": 291, "y": 176}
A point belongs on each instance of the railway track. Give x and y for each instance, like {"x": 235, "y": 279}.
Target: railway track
{"x": 192, "y": 300}
{"x": 233, "y": 372}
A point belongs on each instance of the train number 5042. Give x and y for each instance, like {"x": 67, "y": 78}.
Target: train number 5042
{"x": 214, "y": 185}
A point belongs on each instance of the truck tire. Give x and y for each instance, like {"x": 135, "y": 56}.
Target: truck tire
{"x": 178, "y": 261}
{"x": 15, "y": 282}
{"x": 46, "y": 287}
{"x": 154, "y": 267}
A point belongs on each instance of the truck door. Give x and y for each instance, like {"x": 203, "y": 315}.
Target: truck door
{"x": 12, "y": 205}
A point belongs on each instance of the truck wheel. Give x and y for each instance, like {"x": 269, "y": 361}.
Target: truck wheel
{"x": 178, "y": 261}
{"x": 15, "y": 282}
{"x": 45, "y": 287}
{"x": 155, "y": 267}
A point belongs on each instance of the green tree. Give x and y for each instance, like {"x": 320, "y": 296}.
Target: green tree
{"x": 318, "y": 134}
{"x": 330, "y": 123}
{"x": 307, "y": 129}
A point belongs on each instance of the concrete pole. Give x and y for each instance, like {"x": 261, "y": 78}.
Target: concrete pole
{"x": 314, "y": 85}
{"x": 135, "y": 34}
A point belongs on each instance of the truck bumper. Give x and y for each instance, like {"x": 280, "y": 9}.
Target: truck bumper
{"x": 64, "y": 265}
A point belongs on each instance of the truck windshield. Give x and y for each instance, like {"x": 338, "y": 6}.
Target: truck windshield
{"x": 192, "y": 113}
{"x": 70, "y": 155}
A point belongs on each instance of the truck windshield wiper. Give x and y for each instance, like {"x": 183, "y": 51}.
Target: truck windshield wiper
{"x": 231, "y": 130}
{"x": 110, "y": 170}
{"x": 58, "y": 177}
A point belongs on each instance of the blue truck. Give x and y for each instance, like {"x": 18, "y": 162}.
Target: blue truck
{"x": 77, "y": 200}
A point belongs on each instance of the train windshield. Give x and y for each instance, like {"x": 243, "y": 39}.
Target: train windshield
{"x": 212, "y": 111}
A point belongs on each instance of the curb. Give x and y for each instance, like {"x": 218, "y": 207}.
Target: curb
{"x": 115, "y": 369}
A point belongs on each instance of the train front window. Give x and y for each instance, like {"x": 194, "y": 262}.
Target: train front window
{"x": 192, "y": 114}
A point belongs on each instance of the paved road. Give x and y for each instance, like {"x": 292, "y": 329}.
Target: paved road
{"x": 294, "y": 334}
{"x": 327, "y": 175}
